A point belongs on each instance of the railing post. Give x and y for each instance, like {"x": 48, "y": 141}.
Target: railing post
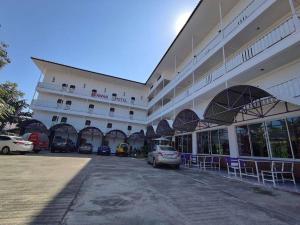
{"x": 296, "y": 19}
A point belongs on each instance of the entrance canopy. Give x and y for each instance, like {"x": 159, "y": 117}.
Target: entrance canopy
{"x": 227, "y": 104}
{"x": 116, "y": 134}
{"x": 65, "y": 130}
{"x": 186, "y": 121}
{"x": 150, "y": 133}
{"x": 164, "y": 128}
{"x": 29, "y": 126}
{"x": 137, "y": 136}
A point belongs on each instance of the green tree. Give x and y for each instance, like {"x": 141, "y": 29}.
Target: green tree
{"x": 12, "y": 104}
{"x": 4, "y": 59}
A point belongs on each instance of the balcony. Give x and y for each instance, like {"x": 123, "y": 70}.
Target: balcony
{"x": 46, "y": 106}
{"x": 234, "y": 63}
{"x": 98, "y": 97}
{"x": 239, "y": 22}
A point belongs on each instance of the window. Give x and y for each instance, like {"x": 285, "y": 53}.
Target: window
{"x": 87, "y": 122}
{"x": 114, "y": 96}
{"x": 279, "y": 140}
{"x": 124, "y": 94}
{"x": 84, "y": 85}
{"x": 109, "y": 125}
{"x": 131, "y": 112}
{"x": 294, "y": 130}
{"x": 94, "y": 92}
{"x": 129, "y": 128}
{"x": 258, "y": 141}
{"x": 243, "y": 141}
{"x": 183, "y": 143}
{"x": 63, "y": 120}
{"x": 60, "y": 101}
{"x": 104, "y": 90}
{"x": 213, "y": 142}
{"x": 64, "y": 86}
{"x": 132, "y": 100}
{"x": 4, "y": 138}
{"x": 158, "y": 78}
{"x": 72, "y": 86}
{"x": 54, "y": 118}
{"x": 53, "y": 79}
{"x": 91, "y": 106}
{"x": 112, "y": 109}
{"x": 68, "y": 104}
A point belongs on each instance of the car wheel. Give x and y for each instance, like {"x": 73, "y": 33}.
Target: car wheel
{"x": 5, "y": 150}
{"x": 154, "y": 164}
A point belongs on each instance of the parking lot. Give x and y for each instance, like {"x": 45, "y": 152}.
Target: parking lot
{"x": 78, "y": 189}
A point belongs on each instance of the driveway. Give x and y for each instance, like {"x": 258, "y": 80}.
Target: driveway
{"x": 51, "y": 189}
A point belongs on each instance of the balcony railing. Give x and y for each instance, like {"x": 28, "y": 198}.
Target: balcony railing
{"x": 276, "y": 35}
{"x": 43, "y": 104}
{"x": 85, "y": 95}
{"x": 202, "y": 55}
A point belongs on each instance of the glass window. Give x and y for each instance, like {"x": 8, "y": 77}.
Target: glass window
{"x": 215, "y": 142}
{"x": 129, "y": 128}
{"x": 54, "y": 118}
{"x": 294, "y": 129}
{"x": 203, "y": 142}
{"x": 190, "y": 143}
{"x": 257, "y": 135}
{"x": 243, "y": 141}
{"x": 87, "y": 122}
{"x": 63, "y": 119}
{"x": 91, "y": 106}
{"x": 224, "y": 142}
{"x": 109, "y": 125}
{"x": 279, "y": 140}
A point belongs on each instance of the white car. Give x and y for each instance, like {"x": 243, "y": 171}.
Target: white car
{"x": 164, "y": 154}
{"x": 14, "y": 144}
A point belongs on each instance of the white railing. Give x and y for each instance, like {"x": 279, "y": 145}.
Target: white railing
{"x": 53, "y": 106}
{"x": 189, "y": 67}
{"x": 78, "y": 93}
{"x": 242, "y": 17}
{"x": 288, "y": 88}
{"x": 276, "y": 35}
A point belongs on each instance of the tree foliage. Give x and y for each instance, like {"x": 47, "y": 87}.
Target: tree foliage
{"x": 12, "y": 104}
{"x": 4, "y": 59}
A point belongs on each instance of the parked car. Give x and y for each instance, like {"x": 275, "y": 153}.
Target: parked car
{"x": 122, "y": 149}
{"x": 85, "y": 148}
{"x": 62, "y": 145}
{"x": 10, "y": 144}
{"x": 104, "y": 150}
{"x": 164, "y": 154}
{"x": 40, "y": 141}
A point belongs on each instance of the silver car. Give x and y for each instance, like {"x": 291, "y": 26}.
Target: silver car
{"x": 164, "y": 154}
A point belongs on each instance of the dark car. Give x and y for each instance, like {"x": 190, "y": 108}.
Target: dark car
{"x": 62, "y": 145}
{"x": 86, "y": 148}
{"x": 104, "y": 150}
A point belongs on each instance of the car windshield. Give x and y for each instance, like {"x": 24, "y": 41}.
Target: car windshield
{"x": 167, "y": 148}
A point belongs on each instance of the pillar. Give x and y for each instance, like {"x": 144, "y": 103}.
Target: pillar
{"x": 295, "y": 16}
{"x": 233, "y": 144}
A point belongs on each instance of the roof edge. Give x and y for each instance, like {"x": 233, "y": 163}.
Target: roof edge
{"x": 88, "y": 71}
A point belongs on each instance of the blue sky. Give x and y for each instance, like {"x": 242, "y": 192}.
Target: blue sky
{"x": 125, "y": 38}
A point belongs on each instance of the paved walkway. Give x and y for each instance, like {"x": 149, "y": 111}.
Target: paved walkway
{"x": 123, "y": 191}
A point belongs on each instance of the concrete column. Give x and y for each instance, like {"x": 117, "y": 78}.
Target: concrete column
{"x": 233, "y": 144}
{"x": 194, "y": 143}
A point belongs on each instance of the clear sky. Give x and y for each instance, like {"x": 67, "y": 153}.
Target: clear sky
{"x": 125, "y": 38}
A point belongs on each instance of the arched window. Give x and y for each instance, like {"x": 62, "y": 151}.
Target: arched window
{"x": 63, "y": 119}
{"x": 88, "y": 123}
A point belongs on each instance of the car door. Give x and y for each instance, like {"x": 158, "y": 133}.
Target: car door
{"x": 5, "y": 141}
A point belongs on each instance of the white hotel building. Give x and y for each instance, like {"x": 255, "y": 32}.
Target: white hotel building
{"x": 229, "y": 84}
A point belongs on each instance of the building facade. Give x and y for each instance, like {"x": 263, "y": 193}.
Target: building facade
{"x": 228, "y": 85}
